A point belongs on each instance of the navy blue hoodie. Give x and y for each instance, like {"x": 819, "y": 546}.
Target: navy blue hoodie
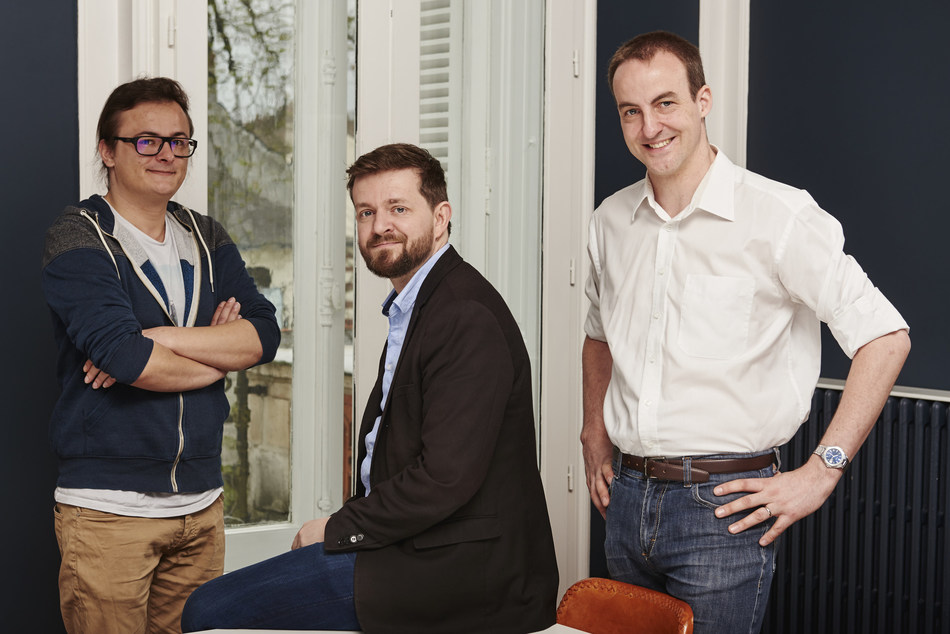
{"x": 102, "y": 292}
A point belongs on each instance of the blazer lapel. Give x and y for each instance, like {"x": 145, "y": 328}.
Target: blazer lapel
{"x": 449, "y": 260}
{"x": 370, "y": 412}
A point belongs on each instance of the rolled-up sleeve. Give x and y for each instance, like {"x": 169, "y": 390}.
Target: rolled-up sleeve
{"x": 593, "y": 326}
{"x": 815, "y": 270}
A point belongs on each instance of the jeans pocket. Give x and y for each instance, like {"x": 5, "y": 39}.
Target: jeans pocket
{"x": 704, "y": 496}
{"x": 703, "y": 493}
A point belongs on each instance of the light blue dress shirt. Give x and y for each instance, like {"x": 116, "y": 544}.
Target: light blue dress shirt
{"x": 398, "y": 308}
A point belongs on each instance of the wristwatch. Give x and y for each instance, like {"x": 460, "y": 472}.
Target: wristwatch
{"x": 834, "y": 457}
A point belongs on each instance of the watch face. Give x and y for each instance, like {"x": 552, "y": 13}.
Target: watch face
{"x": 834, "y": 456}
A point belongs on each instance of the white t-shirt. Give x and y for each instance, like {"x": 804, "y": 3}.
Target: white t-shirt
{"x": 163, "y": 256}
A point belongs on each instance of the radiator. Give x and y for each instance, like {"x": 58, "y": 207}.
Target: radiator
{"x": 875, "y": 557}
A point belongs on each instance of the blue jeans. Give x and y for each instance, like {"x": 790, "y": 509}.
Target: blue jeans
{"x": 664, "y": 536}
{"x": 304, "y": 589}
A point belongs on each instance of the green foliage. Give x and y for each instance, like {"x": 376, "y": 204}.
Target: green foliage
{"x": 230, "y": 495}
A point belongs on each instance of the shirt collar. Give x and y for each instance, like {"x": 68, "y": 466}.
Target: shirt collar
{"x": 405, "y": 300}
{"x": 715, "y": 194}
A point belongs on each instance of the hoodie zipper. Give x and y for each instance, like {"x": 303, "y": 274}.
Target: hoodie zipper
{"x": 181, "y": 442}
{"x": 94, "y": 219}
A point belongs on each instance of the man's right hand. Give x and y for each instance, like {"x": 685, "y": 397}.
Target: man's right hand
{"x": 311, "y": 532}
{"x": 598, "y": 456}
{"x": 226, "y": 312}
{"x": 598, "y": 450}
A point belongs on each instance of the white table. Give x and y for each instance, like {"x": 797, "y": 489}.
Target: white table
{"x": 553, "y": 629}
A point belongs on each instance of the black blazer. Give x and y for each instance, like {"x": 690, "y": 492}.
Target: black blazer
{"x": 455, "y": 535}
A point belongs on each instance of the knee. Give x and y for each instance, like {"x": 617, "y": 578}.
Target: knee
{"x": 193, "y": 616}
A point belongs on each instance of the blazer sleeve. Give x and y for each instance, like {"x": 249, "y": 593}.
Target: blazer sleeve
{"x": 465, "y": 376}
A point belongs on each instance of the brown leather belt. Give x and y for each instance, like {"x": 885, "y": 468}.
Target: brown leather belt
{"x": 672, "y": 469}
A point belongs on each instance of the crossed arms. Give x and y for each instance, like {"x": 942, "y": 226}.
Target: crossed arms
{"x": 190, "y": 358}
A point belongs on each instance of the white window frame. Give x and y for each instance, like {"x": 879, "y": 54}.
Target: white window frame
{"x": 387, "y": 111}
{"x": 388, "y": 83}
{"x": 119, "y": 40}
{"x": 724, "y": 46}
{"x": 569, "y": 114}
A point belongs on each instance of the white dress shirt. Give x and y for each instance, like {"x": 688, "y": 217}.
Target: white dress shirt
{"x": 712, "y": 317}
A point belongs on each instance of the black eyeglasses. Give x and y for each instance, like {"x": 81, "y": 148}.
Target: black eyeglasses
{"x": 152, "y": 145}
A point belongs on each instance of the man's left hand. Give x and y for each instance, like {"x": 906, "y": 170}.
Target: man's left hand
{"x": 786, "y": 497}
{"x": 311, "y": 532}
{"x": 98, "y": 378}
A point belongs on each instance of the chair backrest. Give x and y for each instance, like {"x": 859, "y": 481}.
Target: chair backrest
{"x": 604, "y": 606}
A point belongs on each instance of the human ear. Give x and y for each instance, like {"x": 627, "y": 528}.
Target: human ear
{"x": 106, "y": 153}
{"x": 704, "y": 100}
{"x": 442, "y": 214}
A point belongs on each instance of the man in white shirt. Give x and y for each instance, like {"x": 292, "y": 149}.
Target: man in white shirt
{"x": 707, "y": 286}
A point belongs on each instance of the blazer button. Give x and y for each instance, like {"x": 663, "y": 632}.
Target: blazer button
{"x": 353, "y": 539}
{"x": 359, "y": 537}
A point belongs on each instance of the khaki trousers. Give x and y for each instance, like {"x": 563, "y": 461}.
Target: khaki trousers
{"x": 133, "y": 574}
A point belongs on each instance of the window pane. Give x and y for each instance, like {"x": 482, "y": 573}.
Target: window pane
{"x": 350, "y": 415}
{"x": 251, "y": 192}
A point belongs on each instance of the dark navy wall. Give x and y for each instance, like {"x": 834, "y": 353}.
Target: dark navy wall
{"x": 850, "y": 101}
{"x": 615, "y": 168}
{"x": 40, "y": 176}
{"x": 617, "y": 22}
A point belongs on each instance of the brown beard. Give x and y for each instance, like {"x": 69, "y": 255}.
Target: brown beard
{"x": 414, "y": 254}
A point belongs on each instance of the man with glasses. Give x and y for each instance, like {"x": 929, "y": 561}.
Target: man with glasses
{"x": 151, "y": 307}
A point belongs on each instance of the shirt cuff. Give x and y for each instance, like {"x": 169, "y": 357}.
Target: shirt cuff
{"x": 868, "y": 318}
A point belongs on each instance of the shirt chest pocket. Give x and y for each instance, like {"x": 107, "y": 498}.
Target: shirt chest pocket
{"x": 714, "y": 323}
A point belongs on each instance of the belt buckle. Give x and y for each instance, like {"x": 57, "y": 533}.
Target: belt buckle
{"x": 648, "y": 466}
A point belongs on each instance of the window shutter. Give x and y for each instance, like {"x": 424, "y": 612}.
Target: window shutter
{"x": 440, "y": 85}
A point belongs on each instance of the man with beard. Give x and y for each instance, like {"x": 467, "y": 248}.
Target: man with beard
{"x": 448, "y": 530}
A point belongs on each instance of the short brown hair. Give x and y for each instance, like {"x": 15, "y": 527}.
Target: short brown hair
{"x": 644, "y": 47}
{"x": 133, "y": 93}
{"x": 400, "y": 156}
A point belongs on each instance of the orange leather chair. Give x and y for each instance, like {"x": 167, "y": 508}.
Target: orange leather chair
{"x": 604, "y": 606}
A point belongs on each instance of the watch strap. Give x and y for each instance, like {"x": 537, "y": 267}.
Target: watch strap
{"x": 820, "y": 452}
